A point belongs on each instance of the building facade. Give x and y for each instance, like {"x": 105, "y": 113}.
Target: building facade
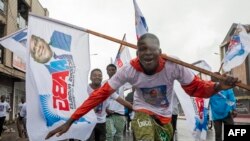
{"x": 242, "y": 72}
{"x": 13, "y": 17}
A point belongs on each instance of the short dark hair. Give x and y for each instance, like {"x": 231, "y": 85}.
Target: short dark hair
{"x": 96, "y": 69}
{"x": 111, "y": 65}
{"x": 148, "y": 35}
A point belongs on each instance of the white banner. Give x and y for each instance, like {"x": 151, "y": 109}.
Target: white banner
{"x": 16, "y": 42}
{"x": 56, "y": 80}
{"x": 195, "y": 109}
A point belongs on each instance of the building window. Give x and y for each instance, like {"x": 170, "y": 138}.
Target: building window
{"x": 1, "y": 54}
{"x": 2, "y": 6}
{"x": 23, "y": 12}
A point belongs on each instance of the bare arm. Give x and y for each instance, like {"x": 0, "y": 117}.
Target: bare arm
{"x": 124, "y": 103}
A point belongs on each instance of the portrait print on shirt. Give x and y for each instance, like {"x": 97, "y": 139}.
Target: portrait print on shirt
{"x": 98, "y": 109}
{"x": 156, "y": 96}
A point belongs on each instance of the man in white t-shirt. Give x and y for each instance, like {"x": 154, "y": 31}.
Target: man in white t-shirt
{"x": 116, "y": 119}
{"x": 153, "y": 78}
{"x": 23, "y": 118}
{"x": 99, "y": 132}
{"x": 19, "y": 122}
{"x": 4, "y": 108}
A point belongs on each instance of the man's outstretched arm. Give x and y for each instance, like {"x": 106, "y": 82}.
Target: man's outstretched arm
{"x": 94, "y": 99}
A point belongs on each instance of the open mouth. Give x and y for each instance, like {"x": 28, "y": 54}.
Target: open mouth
{"x": 148, "y": 61}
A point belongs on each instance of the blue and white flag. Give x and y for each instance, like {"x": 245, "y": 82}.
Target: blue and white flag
{"x": 58, "y": 63}
{"x": 16, "y": 42}
{"x": 238, "y": 49}
{"x": 140, "y": 22}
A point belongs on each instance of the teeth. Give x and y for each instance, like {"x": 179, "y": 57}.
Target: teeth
{"x": 148, "y": 62}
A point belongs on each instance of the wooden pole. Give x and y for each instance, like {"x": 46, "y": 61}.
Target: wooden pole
{"x": 220, "y": 67}
{"x": 123, "y": 39}
{"x": 244, "y": 86}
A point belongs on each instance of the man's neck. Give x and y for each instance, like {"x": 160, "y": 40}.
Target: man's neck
{"x": 151, "y": 72}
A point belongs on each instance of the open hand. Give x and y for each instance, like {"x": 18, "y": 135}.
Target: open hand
{"x": 60, "y": 130}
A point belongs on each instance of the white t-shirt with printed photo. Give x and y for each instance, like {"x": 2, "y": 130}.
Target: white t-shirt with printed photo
{"x": 4, "y": 107}
{"x": 114, "y": 105}
{"x": 153, "y": 92}
{"x": 100, "y": 110}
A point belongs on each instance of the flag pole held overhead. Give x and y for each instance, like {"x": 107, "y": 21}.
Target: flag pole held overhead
{"x": 244, "y": 86}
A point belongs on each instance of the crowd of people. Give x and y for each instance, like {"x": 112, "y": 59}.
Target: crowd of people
{"x": 21, "y": 116}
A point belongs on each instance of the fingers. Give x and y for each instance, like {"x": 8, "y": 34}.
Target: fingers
{"x": 50, "y": 134}
{"x": 231, "y": 81}
{"x": 60, "y": 133}
{"x": 57, "y": 131}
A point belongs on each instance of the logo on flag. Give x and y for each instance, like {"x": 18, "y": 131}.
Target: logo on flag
{"x": 140, "y": 22}
{"x": 238, "y": 49}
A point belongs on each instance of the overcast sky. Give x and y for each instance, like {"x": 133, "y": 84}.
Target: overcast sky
{"x": 189, "y": 29}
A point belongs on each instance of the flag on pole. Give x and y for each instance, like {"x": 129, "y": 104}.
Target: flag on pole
{"x": 140, "y": 22}
{"x": 238, "y": 49}
{"x": 58, "y": 63}
{"x": 16, "y": 42}
{"x": 123, "y": 55}
{"x": 122, "y": 58}
{"x": 195, "y": 109}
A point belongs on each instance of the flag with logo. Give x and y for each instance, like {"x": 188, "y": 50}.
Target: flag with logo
{"x": 238, "y": 49}
{"x": 123, "y": 55}
{"x": 195, "y": 109}
{"x": 122, "y": 58}
{"x": 58, "y": 63}
{"x": 16, "y": 42}
{"x": 140, "y": 22}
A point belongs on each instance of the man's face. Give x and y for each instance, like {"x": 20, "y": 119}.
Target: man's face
{"x": 96, "y": 77}
{"x": 2, "y": 98}
{"x": 148, "y": 53}
{"x": 40, "y": 50}
{"x": 111, "y": 71}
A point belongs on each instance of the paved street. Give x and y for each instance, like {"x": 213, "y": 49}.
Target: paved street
{"x": 183, "y": 132}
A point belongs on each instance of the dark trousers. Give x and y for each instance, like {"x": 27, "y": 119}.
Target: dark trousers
{"x": 218, "y": 126}
{"x": 99, "y": 133}
{"x": 2, "y": 119}
{"x": 174, "y": 124}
